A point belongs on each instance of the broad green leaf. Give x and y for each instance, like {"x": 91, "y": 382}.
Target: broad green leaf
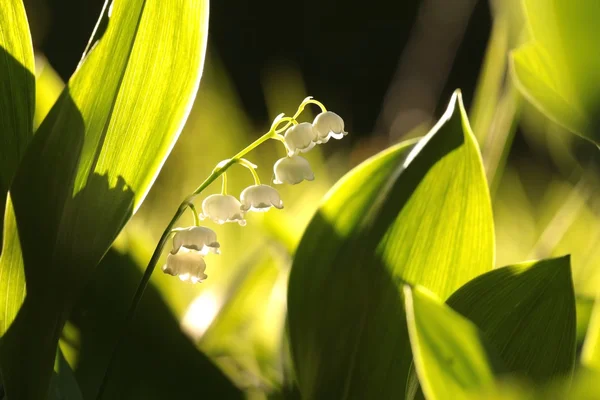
{"x": 528, "y": 313}
{"x": 417, "y": 213}
{"x": 559, "y": 70}
{"x": 590, "y": 355}
{"x": 450, "y": 354}
{"x": 17, "y": 92}
{"x": 91, "y": 163}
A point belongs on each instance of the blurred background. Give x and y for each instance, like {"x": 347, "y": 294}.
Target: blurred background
{"x": 388, "y": 68}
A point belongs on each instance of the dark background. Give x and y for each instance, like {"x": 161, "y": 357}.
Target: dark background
{"x": 347, "y": 51}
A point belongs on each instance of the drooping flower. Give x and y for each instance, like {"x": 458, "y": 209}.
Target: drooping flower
{"x": 260, "y": 198}
{"x": 292, "y": 170}
{"x": 221, "y": 208}
{"x": 328, "y": 125}
{"x": 187, "y": 264}
{"x": 301, "y": 138}
{"x": 199, "y": 238}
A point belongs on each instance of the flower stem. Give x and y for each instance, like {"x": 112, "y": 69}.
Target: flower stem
{"x": 218, "y": 171}
{"x": 224, "y": 183}
{"x": 273, "y": 133}
{"x": 194, "y": 213}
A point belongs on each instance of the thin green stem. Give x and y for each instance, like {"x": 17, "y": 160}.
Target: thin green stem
{"x": 224, "y": 183}
{"x": 138, "y": 295}
{"x": 217, "y": 171}
{"x": 252, "y": 168}
{"x": 194, "y": 213}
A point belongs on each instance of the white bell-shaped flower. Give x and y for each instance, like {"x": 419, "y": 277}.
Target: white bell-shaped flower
{"x": 328, "y": 125}
{"x": 221, "y": 208}
{"x": 188, "y": 265}
{"x": 292, "y": 170}
{"x": 301, "y": 138}
{"x": 199, "y": 238}
{"x": 260, "y": 198}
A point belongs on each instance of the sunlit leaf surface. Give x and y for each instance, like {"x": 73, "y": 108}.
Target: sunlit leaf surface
{"x": 418, "y": 213}
{"x": 17, "y": 92}
{"x": 91, "y": 163}
{"x": 559, "y": 70}
{"x": 450, "y": 354}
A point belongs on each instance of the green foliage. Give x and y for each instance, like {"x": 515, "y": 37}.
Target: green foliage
{"x": 17, "y": 92}
{"x": 527, "y": 311}
{"x": 417, "y": 213}
{"x": 450, "y": 354}
{"x": 68, "y": 215}
{"x": 559, "y": 70}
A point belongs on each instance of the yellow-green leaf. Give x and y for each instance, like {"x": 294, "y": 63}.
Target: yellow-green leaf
{"x": 17, "y": 92}
{"x": 418, "y": 213}
{"x": 91, "y": 163}
{"x": 559, "y": 70}
{"x": 450, "y": 354}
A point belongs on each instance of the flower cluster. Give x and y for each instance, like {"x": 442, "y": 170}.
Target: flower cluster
{"x": 190, "y": 245}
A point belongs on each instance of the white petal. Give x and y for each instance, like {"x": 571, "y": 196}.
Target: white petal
{"x": 222, "y": 208}
{"x": 260, "y": 198}
{"x": 329, "y": 125}
{"x": 292, "y": 170}
{"x": 301, "y": 138}
{"x": 199, "y": 238}
{"x": 188, "y": 265}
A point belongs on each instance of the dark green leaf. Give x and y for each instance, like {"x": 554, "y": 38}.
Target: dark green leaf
{"x": 418, "y": 213}
{"x": 528, "y": 313}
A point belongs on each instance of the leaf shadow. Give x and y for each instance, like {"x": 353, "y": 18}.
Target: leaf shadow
{"x": 14, "y": 91}
{"x": 157, "y": 361}
{"x": 62, "y": 241}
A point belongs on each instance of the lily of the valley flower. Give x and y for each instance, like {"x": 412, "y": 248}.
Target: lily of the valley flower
{"x": 188, "y": 265}
{"x": 328, "y": 125}
{"x": 221, "y": 208}
{"x": 301, "y": 138}
{"x": 198, "y": 238}
{"x": 260, "y": 198}
{"x": 292, "y": 170}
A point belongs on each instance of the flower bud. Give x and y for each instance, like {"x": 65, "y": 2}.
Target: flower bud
{"x": 221, "y": 208}
{"x": 199, "y": 238}
{"x": 328, "y": 124}
{"x": 260, "y": 198}
{"x": 292, "y": 170}
{"x": 300, "y": 138}
{"x": 188, "y": 265}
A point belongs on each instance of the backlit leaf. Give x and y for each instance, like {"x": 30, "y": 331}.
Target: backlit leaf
{"x": 417, "y": 213}
{"x": 450, "y": 354}
{"x": 91, "y": 163}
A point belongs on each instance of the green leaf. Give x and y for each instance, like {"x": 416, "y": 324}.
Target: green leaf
{"x": 450, "y": 354}
{"x": 158, "y": 360}
{"x": 17, "y": 92}
{"x": 559, "y": 70}
{"x": 528, "y": 313}
{"x": 590, "y": 355}
{"x": 417, "y": 213}
{"x": 91, "y": 163}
